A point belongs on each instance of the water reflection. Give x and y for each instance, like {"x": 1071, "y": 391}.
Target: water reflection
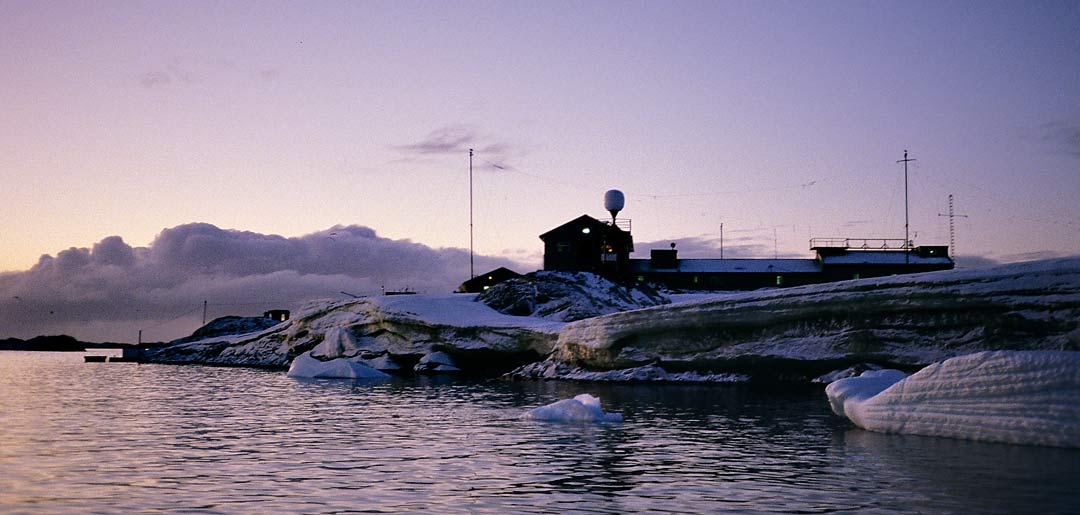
{"x": 146, "y": 438}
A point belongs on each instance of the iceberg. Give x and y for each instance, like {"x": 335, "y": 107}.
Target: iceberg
{"x": 307, "y": 366}
{"x": 582, "y": 408}
{"x": 1016, "y": 397}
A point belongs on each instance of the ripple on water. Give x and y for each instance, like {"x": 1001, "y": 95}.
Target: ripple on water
{"x": 186, "y": 439}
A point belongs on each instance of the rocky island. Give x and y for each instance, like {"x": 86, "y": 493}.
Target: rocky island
{"x": 551, "y": 325}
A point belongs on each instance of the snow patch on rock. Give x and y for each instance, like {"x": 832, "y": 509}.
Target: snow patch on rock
{"x": 567, "y": 296}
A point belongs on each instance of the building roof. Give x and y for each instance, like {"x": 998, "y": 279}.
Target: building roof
{"x": 876, "y": 257}
{"x": 583, "y": 221}
{"x": 731, "y": 266}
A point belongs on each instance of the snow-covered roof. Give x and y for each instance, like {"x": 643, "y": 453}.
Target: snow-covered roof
{"x": 730, "y": 266}
{"x": 876, "y": 257}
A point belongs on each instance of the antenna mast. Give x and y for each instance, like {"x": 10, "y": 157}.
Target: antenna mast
{"x": 907, "y": 240}
{"x": 952, "y": 227}
{"x": 472, "y": 272}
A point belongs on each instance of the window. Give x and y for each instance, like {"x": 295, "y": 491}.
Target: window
{"x": 563, "y": 248}
{"x": 779, "y": 280}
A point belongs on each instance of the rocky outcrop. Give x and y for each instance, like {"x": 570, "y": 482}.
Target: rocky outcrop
{"x": 804, "y": 332}
{"x": 400, "y": 330}
{"x": 568, "y": 296}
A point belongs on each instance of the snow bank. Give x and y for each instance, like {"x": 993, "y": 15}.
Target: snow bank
{"x": 911, "y": 319}
{"x": 583, "y": 408}
{"x": 306, "y": 366}
{"x": 1019, "y": 397}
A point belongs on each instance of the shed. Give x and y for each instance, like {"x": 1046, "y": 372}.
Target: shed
{"x": 484, "y": 281}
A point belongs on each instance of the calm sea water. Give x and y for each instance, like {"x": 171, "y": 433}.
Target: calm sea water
{"x": 123, "y": 438}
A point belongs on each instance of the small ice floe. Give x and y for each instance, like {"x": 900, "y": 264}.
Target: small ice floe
{"x": 583, "y": 408}
{"x": 1018, "y": 397}
{"x": 305, "y": 365}
{"x": 436, "y": 362}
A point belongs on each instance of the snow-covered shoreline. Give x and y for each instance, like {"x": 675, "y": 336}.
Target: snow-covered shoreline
{"x": 910, "y": 320}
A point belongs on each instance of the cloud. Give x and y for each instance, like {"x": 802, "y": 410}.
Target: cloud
{"x": 154, "y": 79}
{"x": 457, "y": 139}
{"x": 970, "y": 261}
{"x": 452, "y": 139}
{"x": 110, "y": 291}
{"x": 1065, "y": 135}
{"x": 700, "y": 247}
{"x": 1031, "y": 256}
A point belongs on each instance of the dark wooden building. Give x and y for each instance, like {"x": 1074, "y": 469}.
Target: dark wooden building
{"x": 586, "y": 244}
{"x": 590, "y": 245}
{"x": 484, "y": 281}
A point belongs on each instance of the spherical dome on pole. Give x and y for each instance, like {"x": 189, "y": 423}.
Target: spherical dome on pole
{"x": 614, "y": 202}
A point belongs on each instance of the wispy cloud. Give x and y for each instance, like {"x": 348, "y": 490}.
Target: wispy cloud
{"x": 702, "y": 247}
{"x": 457, "y": 139}
{"x": 194, "y": 70}
{"x": 452, "y": 139}
{"x": 1065, "y": 135}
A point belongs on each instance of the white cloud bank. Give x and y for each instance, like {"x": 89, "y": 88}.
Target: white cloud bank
{"x": 112, "y": 290}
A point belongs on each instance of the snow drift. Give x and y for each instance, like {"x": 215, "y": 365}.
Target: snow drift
{"x": 582, "y": 408}
{"x": 1018, "y": 397}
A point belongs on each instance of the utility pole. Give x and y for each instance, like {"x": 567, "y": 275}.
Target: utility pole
{"x": 952, "y": 227}
{"x": 775, "y": 245}
{"x": 721, "y": 240}
{"x": 204, "y": 312}
{"x": 472, "y": 272}
{"x": 907, "y": 240}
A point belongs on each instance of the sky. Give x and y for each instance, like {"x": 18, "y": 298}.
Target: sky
{"x": 157, "y": 154}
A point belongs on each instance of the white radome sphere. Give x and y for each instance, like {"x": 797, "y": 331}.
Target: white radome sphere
{"x": 614, "y": 200}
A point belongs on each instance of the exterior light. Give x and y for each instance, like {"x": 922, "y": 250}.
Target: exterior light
{"x": 585, "y": 230}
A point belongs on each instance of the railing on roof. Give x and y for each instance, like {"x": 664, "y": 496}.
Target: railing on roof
{"x": 860, "y": 244}
{"x": 621, "y": 223}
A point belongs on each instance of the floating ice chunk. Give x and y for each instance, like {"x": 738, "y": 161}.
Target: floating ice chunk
{"x": 436, "y": 362}
{"x": 583, "y": 408}
{"x": 1020, "y": 397}
{"x": 306, "y": 366}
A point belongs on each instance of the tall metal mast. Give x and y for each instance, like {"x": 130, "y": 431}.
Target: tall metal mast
{"x": 952, "y": 227}
{"x": 472, "y": 272}
{"x": 907, "y": 239}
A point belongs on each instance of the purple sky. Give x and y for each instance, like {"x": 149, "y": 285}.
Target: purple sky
{"x": 781, "y": 120}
